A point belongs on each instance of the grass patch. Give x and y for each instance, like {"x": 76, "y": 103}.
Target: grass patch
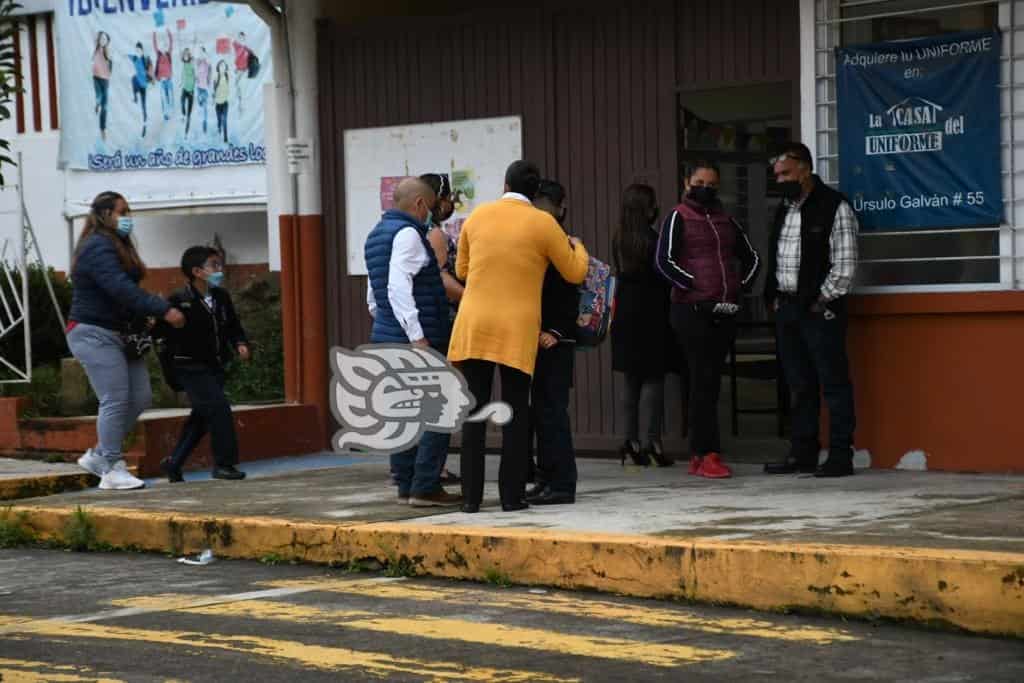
{"x": 79, "y": 533}
{"x": 400, "y": 567}
{"x": 271, "y": 559}
{"x": 496, "y": 577}
{"x": 14, "y": 529}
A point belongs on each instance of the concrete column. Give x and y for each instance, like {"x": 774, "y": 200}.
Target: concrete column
{"x": 295, "y": 199}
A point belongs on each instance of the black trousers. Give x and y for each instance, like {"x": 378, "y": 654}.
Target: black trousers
{"x": 549, "y": 418}
{"x": 706, "y": 339}
{"x": 211, "y": 412}
{"x": 515, "y": 390}
{"x": 812, "y": 348}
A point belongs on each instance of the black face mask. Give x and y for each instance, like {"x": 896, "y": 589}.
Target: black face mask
{"x": 791, "y": 189}
{"x": 703, "y": 195}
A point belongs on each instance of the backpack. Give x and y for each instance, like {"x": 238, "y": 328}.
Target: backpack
{"x": 597, "y": 305}
{"x": 148, "y": 63}
{"x": 254, "y": 64}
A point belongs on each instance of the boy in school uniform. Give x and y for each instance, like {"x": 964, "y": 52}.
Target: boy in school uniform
{"x": 555, "y": 475}
{"x": 195, "y": 356}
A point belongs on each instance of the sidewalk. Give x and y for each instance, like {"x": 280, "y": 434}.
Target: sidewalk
{"x": 28, "y": 479}
{"x": 930, "y": 547}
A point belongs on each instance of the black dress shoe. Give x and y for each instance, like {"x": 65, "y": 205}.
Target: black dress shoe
{"x": 789, "y": 467}
{"x": 536, "y": 491}
{"x": 174, "y": 475}
{"x": 550, "y": 497}
{"x": 470, "y": 507}
{"x": 832, "y": 468}
{"x": 228, "y": 472}
{"x": 514, "y": 507}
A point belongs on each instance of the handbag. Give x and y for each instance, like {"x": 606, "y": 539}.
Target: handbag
{"x": 137, "y": 340}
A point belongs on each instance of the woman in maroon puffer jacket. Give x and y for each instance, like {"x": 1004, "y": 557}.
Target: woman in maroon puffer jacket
{"x": 707, "y": 257}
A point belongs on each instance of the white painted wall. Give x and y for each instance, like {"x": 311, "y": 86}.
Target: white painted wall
{"x": 162, "y": 236}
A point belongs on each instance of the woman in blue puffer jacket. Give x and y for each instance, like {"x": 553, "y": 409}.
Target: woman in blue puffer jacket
{"x": 106, "y": 299}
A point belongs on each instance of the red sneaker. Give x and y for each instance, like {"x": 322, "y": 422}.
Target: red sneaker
{"x": 714, "y": 468}
{"x": 695, "y": 463}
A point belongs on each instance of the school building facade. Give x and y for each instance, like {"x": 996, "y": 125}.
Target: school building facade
{"x": 610, "y": 95}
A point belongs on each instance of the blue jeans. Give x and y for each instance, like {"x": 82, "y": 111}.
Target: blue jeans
{"x": 813, "y": 354}
{"x": 418, "y": 470}
{"x": 102, "y": 88}
{"x": 121, "y": 385}
{"x": 203, "y": 96}
{"x": 167, "y": 96}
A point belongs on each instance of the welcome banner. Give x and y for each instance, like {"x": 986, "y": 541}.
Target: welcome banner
{"x": 160, "y": 84}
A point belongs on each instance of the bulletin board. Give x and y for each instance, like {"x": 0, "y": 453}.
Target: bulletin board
{"x": 473, "y": 153}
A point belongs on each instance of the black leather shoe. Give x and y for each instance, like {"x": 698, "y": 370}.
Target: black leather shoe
{"x": 470, "y": 508}
{"x": 514, "y": 507}
{"x": 536, "y": 492}
{"x": 832, "y": 468}
{"x": 228, "y": 472}
{"x": 789, "y": 467}
{"x": 174, "y": 475}
{"x": 550, "y": 497}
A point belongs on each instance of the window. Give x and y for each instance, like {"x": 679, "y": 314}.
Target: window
{"x": 940, "y": 259}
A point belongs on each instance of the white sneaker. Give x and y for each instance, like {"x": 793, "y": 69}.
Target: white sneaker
{"x": 120, "y": 479}
{"x": 94, "y": 463}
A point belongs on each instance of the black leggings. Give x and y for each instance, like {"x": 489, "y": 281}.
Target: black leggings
{"x": 706, "y": 339}
{"x": 515, "y": 391}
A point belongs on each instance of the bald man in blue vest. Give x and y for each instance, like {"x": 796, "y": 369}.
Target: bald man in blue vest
{"x": 407, "y": 300}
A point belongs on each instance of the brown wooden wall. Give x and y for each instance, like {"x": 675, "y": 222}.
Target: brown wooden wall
{"x": 596, "y": 89}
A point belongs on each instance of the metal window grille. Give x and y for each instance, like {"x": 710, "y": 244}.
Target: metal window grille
{"x": 829, "y": 18}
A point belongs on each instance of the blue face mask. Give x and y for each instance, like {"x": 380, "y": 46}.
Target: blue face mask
{"x": 215, "y": 279}
{"x": 429, "y": 222}
{"x": 125, "y": 225}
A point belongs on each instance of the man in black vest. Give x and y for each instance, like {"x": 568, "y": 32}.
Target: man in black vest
{"x": 810, "y": 271}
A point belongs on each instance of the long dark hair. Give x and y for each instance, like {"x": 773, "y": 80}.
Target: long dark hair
{"x": 634, "y": 242}
{"x": 96, "y": 223}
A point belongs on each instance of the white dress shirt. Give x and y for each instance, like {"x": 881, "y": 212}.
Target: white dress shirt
{"x": 408, "y": 257}
{"x": 842, "y": 253}
{"x": 516, "y": 195}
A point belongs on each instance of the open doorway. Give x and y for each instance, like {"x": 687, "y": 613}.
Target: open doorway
{"x": 739, "y": 129}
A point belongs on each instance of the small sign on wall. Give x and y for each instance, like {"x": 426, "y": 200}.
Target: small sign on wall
{"x": 300, "y": 155}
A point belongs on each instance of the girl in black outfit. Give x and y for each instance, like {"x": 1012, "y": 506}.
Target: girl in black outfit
{"x": 642, "y": 340}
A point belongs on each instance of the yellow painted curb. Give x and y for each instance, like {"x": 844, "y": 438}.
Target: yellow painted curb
{"x": 45, "y": 485}
{"x": 978, "y": 591}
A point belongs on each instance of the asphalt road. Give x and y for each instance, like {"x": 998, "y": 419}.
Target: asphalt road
{"x": 126, "y": 617}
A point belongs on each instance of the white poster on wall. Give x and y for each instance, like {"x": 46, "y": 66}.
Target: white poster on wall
{"x": 474, "y": 154}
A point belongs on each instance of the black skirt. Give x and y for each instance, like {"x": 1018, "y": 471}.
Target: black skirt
{"x": 643, "y": 343}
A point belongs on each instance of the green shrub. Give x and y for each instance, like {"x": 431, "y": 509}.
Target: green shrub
{"x": 262, "y": 379}
{"x": 48, "y": 341}
{"x": 43, "y": 390}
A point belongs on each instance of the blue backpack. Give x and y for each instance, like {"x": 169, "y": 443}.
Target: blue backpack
{"x": 597, "y": 305}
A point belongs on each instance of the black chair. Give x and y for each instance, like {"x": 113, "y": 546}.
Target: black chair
{"x": 762, "y": 346}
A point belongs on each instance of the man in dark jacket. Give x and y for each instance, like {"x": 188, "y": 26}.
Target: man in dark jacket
{"x": 812, "y": 261}
{"x": 552, "y": 377}
{"x": 194, "y": 358}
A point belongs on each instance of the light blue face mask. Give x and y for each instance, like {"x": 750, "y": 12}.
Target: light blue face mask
{"x": 125, "y": 225}
{"x": 215, "y": 279}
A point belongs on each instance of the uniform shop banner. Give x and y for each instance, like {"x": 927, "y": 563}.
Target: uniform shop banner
{"x": 160, "y": 84}
{"x": 919, "y": 132}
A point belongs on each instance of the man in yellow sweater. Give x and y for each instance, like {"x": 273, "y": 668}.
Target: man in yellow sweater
{"x": 504, "y": 250}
